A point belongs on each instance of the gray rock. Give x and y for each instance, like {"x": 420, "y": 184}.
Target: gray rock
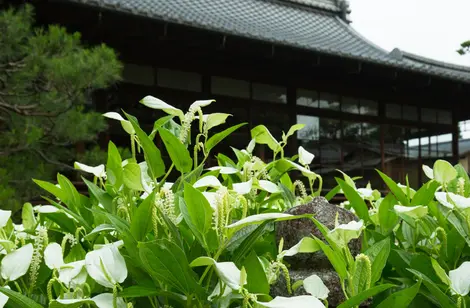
{"x": 304, "y": 265}
{"x": 294, "y": 230}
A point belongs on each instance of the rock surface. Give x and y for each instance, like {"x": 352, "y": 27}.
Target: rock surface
{"x": 306, "y": 264}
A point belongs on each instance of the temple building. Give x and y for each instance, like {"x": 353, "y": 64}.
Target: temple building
{"x": 278, "y": 63}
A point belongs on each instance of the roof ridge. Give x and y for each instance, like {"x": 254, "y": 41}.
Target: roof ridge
{"x": 434, "y": 62}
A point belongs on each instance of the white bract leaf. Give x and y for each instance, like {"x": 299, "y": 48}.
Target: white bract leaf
{"x": 207, "y": 181}
{"x": 105, "y": 300}
{"x": 258, "y": 219}
{"x": 305, "y": 172}
{"x": 3, "y": 298}
{"x": 251, "y": 146}
{"x": 44, "y": 209}
{"x": 315, "y": 286}
{"x": 460, "y": 201}
{"x": 442, "y": 198}
{"x": 147, "y": 182}
{"x": 268, "y": 186}
{"x": 16, "y": 263}
{"x": 73, "y": 274}
{"x": 224, "y": 170}
{"x": 365, "y": 193}
{"x": 305, "y": 157}
{"x": 344, "y": 233}
{"x": 126, "y": 125}
{"x": 428, "y": 172}
{"x": 201, "y": 103}
{"x": 243, "y": 188}
{"x": 302, "y": 301}
{"x": 98, "y": 171}
{"x": 306, "y": 245}
{"x": 460, "y": 279}
{"x": 443, "y": 171}
{"x": 4, "y": 216}
{"x": 211, "y": 197}
{"x": 106, "y": 266}
{"x": 227, "y": 271}
{"x": 53, "y": 256}
{"x": 412, "y": 211}
{"x": 155, "y": 103}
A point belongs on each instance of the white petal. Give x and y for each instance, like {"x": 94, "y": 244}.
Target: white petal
{"x": 315, "y": 286}
{"x": 428, "y": 171}
{"x": 303, "y": 301}
{"x": 73, "y": 301}
{"x": 202, "y": 103}
{"x": 206, "y": 181}
{"x": 229, "y": 273}
{"x": 268, "y": 186}
{"x": 225, "y": 170}
{"x": 412, "y": 211}
{"x": 4, "y": 216}
{"x": 352, "y": 225}
{"x": 45, "y": 209}
{"x": 344, "y": 233}
{"x": 442, "y": 198}
{"x": 18, "y": 228}
{"x": 106, "y": 262}
{"x": 70, "y": 271}
{"x": 168, "y": 185}
{"x": 53, "y": 256}
{"x": 80, "y": 279}
{"x": 155, "y": 103}
{"x": 243, "y": 188}
{"x": 98, "y": 171}
{"x": 251, "y": 146}
{"x": 105, "y": 300}
{"x": 365, "y": 192}
{"x": 16, "y": 263}
{"x": 306, "y": 245}
{"x": 211, "y": 197}
{"x": 114, "y": 116}
{"x": 3, "y": 298}
{"x": 460, "y": 279}
{"x": 460, "y": 201}
{"x": 305, "y": 157}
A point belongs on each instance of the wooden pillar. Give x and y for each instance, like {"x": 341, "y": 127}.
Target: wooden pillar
{"x": 455, "y": 138}
{"x": 291, "y": 102}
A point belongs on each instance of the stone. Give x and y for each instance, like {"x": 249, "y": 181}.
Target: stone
{"x": 304, "y": 265}
{"x": 292, "y": 231}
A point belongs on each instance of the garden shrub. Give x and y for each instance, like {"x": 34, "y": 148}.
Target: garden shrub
{"x": 139, "y": 240}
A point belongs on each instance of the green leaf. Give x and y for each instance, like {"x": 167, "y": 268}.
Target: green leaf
{"x": 365, "y": 295}
{"x": 216, "y": 119}
{"x": 103, "y": 197}
{"x": 19, "y": 299}
{"x": 27, "y": 216}
{"x": 245, "y": 247}
{"x": 199, "y": 209}
{"x": 259, "y": 218}
{"x": 335, "y": 259}
{"x": 332, "y": 193}
{"x": 76, "y": 217}
{"x": 293, "y": 129}
{"x": 152, "y": 153}
{"x": 215, "y": 139}
{"x": 425, "y": 194}
{"x": 444, "y": 172}
{"x": 113, "y": 166}
{"x": 65, "y": 223}
{"x": 396, "y": 190}
{"x": 179, "y": 154}
{"x": 141, "y": 222}
{"x": 132, "y": 176}
{"x": 378, "y": 254}
{"x": 440, "y": 272}
{"x": 72, "y": 197}
{"x": 401, "y": 298}
{"x": 460, "y": 224}
{"x": 167, "y": 263}
{"x": 355, "y": 200}
{"x": 51, "y": 188}
{"x": 142, "y": 291}
{"x": 443, "y": 299}
{"x": 388, "y": 218}
{"x": 257, "y": 280}
{"x": 262, "y": 136}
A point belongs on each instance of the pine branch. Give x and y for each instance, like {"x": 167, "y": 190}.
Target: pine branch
{"x": 53, "y": 162}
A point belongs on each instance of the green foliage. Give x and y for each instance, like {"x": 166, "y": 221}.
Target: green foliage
{"x": 208, "y": 239}
{"x": 46, "y": 81}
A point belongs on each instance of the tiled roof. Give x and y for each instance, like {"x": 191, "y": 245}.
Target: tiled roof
{"x": 330, "y": 5}
{"x": 285, "y": 22}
